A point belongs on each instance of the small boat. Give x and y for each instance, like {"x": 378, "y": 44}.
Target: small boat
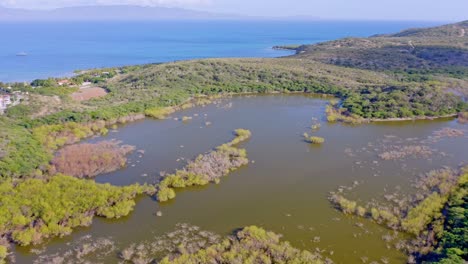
{"x": 21, "y": 54}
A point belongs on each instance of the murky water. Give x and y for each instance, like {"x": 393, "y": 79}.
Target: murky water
{"x": 285, "y": 190}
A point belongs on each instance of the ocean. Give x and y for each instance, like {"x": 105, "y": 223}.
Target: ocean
{"x": 58, "y": 48}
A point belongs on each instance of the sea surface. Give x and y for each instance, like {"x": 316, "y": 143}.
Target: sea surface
{"x": 57, "y": 49}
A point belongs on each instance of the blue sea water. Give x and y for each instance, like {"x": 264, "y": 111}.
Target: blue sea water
{"x": 57, "y": 48}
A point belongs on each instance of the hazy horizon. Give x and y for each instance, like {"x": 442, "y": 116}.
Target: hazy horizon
{"x": 394, "y": 10}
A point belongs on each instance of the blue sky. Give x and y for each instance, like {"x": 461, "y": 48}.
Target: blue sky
{"x": 436, "y": 10}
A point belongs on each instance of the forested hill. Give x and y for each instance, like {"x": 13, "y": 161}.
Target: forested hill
{"x": 442, "y": 49}
{"x": 459, "y": 30}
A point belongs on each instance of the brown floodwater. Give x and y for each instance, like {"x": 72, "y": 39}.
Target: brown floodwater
{"x": 286, "y": 186}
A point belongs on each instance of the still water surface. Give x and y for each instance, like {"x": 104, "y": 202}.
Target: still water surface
{"x": 285, "y": 190}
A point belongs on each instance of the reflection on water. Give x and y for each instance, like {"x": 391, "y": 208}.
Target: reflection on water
{"x": 285, "y": 188}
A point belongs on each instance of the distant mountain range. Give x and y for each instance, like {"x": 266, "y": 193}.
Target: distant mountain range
{"x": 117, "y": 12}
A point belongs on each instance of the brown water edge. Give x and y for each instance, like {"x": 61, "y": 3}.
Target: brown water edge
{"x": 285, "y": 190}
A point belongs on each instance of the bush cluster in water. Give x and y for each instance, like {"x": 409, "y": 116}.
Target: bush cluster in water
{"x": 189, "y": 244}
{"x": 313, "y": 139}
{"x": 434, "y": 215}
{"x": 249, "y": 245}
{"x": 185, "y": 239}
{"x": 159, "y": 112}
{"x": 206, "y": 168}
{"x": 89, "y": 160}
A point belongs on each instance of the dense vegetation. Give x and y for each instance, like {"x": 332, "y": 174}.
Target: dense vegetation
{"x": 365, "y": 94}
{"x": 249, "y": 245}
{"x": 20, "y": 153}
{"x": 435, "y": 215}
{"x": 206, "y": 168}
{"x": 453, "y": 244}
{"x": 439, "y": 48}
{"x": 34, "y": 209}
{"x": 463, "y": 117}
{"x": 26, "y": 153}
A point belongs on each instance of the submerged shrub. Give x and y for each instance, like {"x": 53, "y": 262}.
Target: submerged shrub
{"x": 249, "y": 245}
{"x": 400, "y": 152}
{"x": 375, "y": 214}
{"x": 313, "y": 139}
{"x": 186, "y": 118}
{"x": 315, "y": 127}
{"x": 343, "y": 204}
{"x": 185, "y": 239}
{"x": 316, "y": 140}
{"x": 361, "y": 211}
{"x": 434, "y": 215}
{"x": 463, "y": 117}
{"x": 89, "y": 160}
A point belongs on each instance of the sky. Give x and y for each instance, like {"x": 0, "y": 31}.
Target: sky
{"x": 430, "y": 10}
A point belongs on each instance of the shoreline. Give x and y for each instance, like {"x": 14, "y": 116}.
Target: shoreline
{"x": 192, "y": 102}
{"x": 418, "y": 118}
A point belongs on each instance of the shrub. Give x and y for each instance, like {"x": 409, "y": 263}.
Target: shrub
{"x": 421, "y": 215}
{"x": 316, "y": 140}
{"x": 241, "y": 135}
{"x": 165, "y": 193}
{"x": 463, "y": 117}
{"x": 345, "y": 205}
{"x": 361, "y": 211}
{"x": 34, "y": 209}
{"x": 375, "y": 214}
{"x": 315, "y": 126}
{"x": 186, "y": 118}
{"x": 313, "y": 139}
{"x": 159, "y": 112}
{"x": 3, "y": 254}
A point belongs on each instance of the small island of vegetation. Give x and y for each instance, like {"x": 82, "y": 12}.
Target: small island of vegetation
{"x": 206, "y": 168}
{"x": 249, "y": 245}
{"x": 313, "y": 139}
